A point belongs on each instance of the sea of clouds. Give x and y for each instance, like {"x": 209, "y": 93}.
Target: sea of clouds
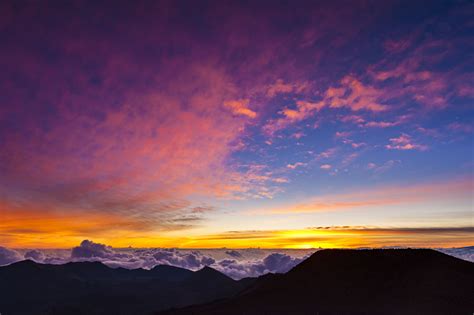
{"x": 234, "y": 263}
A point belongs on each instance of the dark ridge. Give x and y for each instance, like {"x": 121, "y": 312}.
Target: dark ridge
{"x": 209, "y": 273}
{"x": 27, "y": 287}
{"x": 171, "y": 273}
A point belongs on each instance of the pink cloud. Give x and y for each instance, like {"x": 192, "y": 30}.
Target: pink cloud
{"x": 378, "y": 169}
{"x": 461, "y": 127}
{"x": 414, "y": 78}
{"x": 429, "y": 132}
{"x": 356, "y": 119}
{"x": 354, "y": 144}
{"x": 404, "y": 142}
{"x": 381, "y": 124}
{"x": 465, "y": 91}
{"x": 371, "y": 165}
{"x": 350, "y": 158}
{"x": 352, "y": 94}
{"x": 295, "y": 165}
{"x": 327, "y": 153}
{"x": 342, "y": 134}
{"x": 325, "y": 167}
{"x": 397, "y": 46}
{"x": 298, "y": 135}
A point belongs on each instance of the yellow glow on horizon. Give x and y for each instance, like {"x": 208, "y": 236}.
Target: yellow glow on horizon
{"x": 291, "y": 239}
{"x": 25, "y": 230}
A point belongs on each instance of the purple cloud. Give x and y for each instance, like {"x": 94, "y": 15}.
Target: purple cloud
{"x": 89, "y": 249}
{"x": 35, "y": 255}
{"x": 280, "y": 263}
{"x": 193, "y": 260}
{"x": 148, "y": 258}
{"x": 233, "y": 253}
{"x": 8, "y": 256}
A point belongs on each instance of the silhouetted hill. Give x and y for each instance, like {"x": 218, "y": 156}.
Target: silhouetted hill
{"x": 170, "y": 273}
{"x": 208, "y": 273}
{"x": 389, "y": 281}
{"x": 27, "y": 287}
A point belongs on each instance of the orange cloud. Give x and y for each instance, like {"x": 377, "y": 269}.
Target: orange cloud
{"x": 355, "y": 95}
{"x": 303, "y": 111}
{"x": 240, "y": 107}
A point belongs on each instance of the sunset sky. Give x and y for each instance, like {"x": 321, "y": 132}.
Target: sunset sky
{"x": 207, "y": 124}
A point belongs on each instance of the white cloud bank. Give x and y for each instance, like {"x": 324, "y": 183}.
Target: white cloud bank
{"x": 234, "y": 263}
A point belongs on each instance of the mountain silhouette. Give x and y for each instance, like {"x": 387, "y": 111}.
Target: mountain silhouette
{"x": 349, "y": 282}
{"x": 330, "y": 282}
{"x": 27, "y": 287}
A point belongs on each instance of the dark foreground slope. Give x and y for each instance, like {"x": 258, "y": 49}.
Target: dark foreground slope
{"x": 93, "y": 288}
{"x": 392, "y": 281}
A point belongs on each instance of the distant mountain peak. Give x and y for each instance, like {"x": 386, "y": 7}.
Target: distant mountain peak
{"x": 207, "y": 269}
{"x": 167, "y": 267}
{"x": 23, "y": 264}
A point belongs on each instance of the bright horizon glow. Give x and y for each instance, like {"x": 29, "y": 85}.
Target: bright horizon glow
{"x": 325, "y": 237}
{"x": 259, "y": 125}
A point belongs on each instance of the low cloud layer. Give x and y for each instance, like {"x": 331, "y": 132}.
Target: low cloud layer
{"x": 8, "y": 256}
{"x": 236, "y": 267}
{"x": 234, "y": 263}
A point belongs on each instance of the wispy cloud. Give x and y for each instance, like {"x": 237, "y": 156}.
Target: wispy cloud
{"x": 280, "y": 87}
{"x": 461, "y": 127}
{"x": 378, "y": 169}
{"x": 376, "y": 197}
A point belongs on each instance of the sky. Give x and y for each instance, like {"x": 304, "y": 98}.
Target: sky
{"x": 210, "y": 124}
